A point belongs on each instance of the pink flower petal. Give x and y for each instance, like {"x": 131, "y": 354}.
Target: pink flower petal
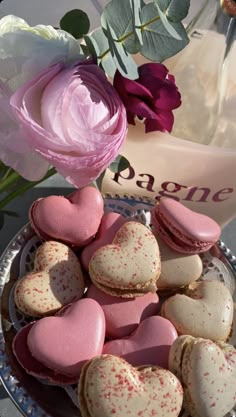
{"x": 73, "y": 118}
{"x": 152, "y": 96}
{"x": 169, "y": 98}
{"x": 163, "y": 122}
{"x": 152, "y": 70}
{"x": 130, "y": 87}
{"x": 140, "y": 108}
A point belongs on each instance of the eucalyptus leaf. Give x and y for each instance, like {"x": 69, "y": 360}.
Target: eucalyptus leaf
{"x": 116, "y": 50}
{"x": 120, "y": 164}
{"x": 158, "y": 44}
{"x": 119, "y": 16}
{"x": 108, "y": 65}
{"x": 132, "y": 44}
{"x": 75, "y": 22}
{"x": 169, "y": 27}
{"x": 85, "y": 50}
{"x": 122, "y": 59}
{"x": 136, "y": 6}
{"x": 99, "y": 48}
{"x": 96, "y": 42}
{"x": 175, "y": 10}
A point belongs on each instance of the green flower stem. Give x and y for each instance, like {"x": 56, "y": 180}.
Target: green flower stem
{"x": 27, "y": 186}
{"x": 8, "y": 181}
{"x": 2, "y": 166}
{"x": 7, "y": 173}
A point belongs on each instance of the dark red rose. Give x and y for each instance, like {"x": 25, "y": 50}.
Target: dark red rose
{"x": 152, "y": 97}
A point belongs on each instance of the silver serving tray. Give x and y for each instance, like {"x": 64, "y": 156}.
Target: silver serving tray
{"x": 36, "y": 399}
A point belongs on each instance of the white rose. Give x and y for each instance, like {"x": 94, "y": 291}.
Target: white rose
{"x": 26, "y": 50}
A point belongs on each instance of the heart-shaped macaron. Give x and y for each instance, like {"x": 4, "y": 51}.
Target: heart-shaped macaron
{"x": 56, "y": 281}
{"x": 110, "y": 224}
{"x": 109, "y": 387}
{"x": 130, "y": 266}
{"x": 207, "y": 371}
{"x": 183, "y": 229}
{"x": 177, "y": 269}
{"x": 65, "y": 343}
{"x": 123, "y": 315}
{"x": 150, "y": 343}
{"x": 74, "y": 220}
{"x": 206, "y": 310}
{"x": 31, "y": 365}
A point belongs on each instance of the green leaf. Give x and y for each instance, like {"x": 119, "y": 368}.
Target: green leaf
{"x": 120, "y": 164}
{"x": 108, "y": 65}
{"x": 99, "y": 180}
{"x": 158, "y": 44}
{"x": 132, "y": 44}
{"x": 10, "y": 213}
{"x": 1, "y": 220}
{"x": 123, "y": 61}
{"x": 166, "y": 23}
{"x": 94, "y": 43}
{"x": 136, "y": 6}
{"x": 4, "y": 173}
{"x": 129, "y": 26}
{"x": 175, "y": 10}
{"x": 98, "y": 46}
{"x": 85, "y": 49}
{"x": 119, "y": 16}
{"x": 75, "y": 22}
{"x": 2, "y": 165}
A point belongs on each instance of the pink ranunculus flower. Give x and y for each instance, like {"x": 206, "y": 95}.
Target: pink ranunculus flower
{"x": 151, "y": 97}
{"x": 73, "y": 118}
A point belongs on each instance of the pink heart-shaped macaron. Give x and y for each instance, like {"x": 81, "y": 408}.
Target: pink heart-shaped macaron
{"x": 31, "y": 365}
{"x": 110, "y": 224}
{"x": 149, "y": 344}
{"x": 65, "y": 343}
{"x": 182, "y": 229}
{"x": 74, "y": 220}
{"x": 123, "y": 315}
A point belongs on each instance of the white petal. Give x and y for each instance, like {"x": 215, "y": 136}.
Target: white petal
{"x": 11, "y": 23}
{"x": 26, "y": 162}
{"x": 25, "y": 51}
